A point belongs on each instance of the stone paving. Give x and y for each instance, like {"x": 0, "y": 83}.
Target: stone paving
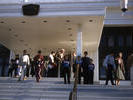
{"x": 54, "y": 89}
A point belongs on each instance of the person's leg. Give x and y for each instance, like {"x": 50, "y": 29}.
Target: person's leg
{"x": 37, "y": 74}
{"x": 64, "y": 74}
{"x": 117, "y": 82}
{"x": 107, "y": 77}
{"x": 111, "y": 75}
{"x": 19, "y": 73}
{"x": 91, "y": 77}
{"x": 68, "y": 75}
{"x": 10, "y": 72}
{"x": 22, "y": 74}
{"x": 27, "y": 71}
{"x": 85, "y": 76}
{"x": 15, "y": 73}
{"x": 79, "y": 76}
{"x": 24, "y": 70}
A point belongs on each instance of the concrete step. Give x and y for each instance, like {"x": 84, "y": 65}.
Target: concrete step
{"x": 55, "y": 89}
{"x": 47, "y": 89}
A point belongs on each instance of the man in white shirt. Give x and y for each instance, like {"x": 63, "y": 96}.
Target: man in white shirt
{"x": 24, "y": 62}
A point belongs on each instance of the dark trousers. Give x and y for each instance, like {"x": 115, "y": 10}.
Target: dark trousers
{"x": 79, "y": 76}
{"x": 32, "y": 71}
{"x": 10, "y": 72}
{"x": 27, "y": 71}
{"x": 66, "y": 72}
{"x": 109, "y": 74}
{"x": 85, "y": 76}
{"x": 38, "y": 72}
{"x": 90, "y": 76}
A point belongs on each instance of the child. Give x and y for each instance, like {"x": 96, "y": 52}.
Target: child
{"x": 91, "y": 68}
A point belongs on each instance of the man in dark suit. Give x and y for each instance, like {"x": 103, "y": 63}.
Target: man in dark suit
{"x": 85, "y": 64}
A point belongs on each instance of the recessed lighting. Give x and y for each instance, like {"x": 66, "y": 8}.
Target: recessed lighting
{"x": 1, "y": 22}
{"x": 70, "y": 35}
{"x": 90, "y": 20}
{"x": 10, "y": 29}
{"x": 45, "y": 21}
{"x": 21, "y": 40}
{"x": 23, "y": 22}
{"x": 26, "y": 44}
{"x": 69, "y": 28}
{"x": 72, "y": 40}
{"x": 44, "y": 48}
{"x": 68, "y": 21}
{"x": 16, "y": 35}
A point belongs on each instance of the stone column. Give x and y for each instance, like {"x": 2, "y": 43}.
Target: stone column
{"x": 79, "y": 41}
{"x": 94, "y": 55}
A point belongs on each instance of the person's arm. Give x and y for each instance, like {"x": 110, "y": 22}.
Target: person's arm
{"x": 28, "y": 60}
{"x": 114, "y": 63}
{"x": 105, "y": 62}
{"x": 123, "y": 68}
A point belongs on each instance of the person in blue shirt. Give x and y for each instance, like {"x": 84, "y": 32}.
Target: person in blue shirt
{"x": 109, "y": 64}
{"x": 79, "y": 61}
{"x": 66, "y": 69}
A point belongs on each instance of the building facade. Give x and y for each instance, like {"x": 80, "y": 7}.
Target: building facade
{"x": 57, "y": 23}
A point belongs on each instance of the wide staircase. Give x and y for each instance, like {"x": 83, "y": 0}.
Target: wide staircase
{"x": 55, "y": 89}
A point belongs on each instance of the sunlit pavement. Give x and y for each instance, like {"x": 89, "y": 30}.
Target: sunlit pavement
{"x": 54, "y": 89}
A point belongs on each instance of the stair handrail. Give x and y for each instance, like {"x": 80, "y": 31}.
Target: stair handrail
{"x": 73, "y": 93}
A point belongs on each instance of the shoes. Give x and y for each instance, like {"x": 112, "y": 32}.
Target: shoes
{"x": 17, "y": 76}
{"x": 25, "y": 78}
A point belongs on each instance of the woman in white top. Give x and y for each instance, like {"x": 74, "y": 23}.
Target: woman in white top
{"x": 120, "y": 69}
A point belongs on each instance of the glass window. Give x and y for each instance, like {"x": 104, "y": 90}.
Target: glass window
{"x": 120, "y": 41}
{"x": 111, "y": 41}
{"x": 129, "y": 41}
{"x": 103, "y": 41}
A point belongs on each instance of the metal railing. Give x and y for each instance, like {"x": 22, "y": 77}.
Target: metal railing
{"x": 73, "y": 93}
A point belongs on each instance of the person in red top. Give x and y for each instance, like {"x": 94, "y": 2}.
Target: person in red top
{"x": 39, "y": 65}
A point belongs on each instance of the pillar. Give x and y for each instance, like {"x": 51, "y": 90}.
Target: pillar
{"x": 79, "y": 41}
{"x": 94, "y": 55}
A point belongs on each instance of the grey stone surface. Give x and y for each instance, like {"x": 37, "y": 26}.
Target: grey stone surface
{"x": 54, "y": 89}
